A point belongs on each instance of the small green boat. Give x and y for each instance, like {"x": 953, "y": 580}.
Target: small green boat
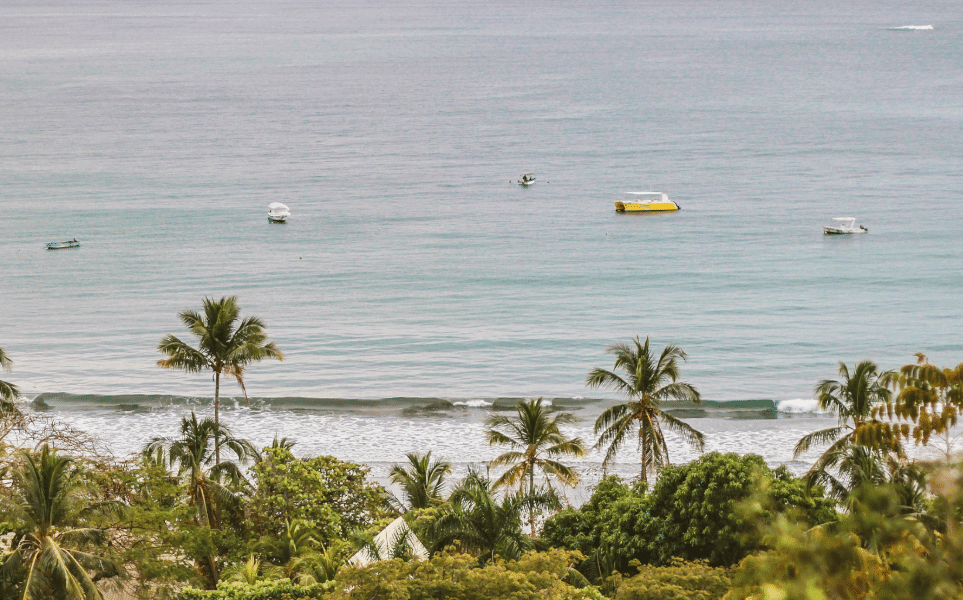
{"x": 62, "y": 245}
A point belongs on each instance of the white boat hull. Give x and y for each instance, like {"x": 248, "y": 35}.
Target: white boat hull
{"x": 837, "y": 231}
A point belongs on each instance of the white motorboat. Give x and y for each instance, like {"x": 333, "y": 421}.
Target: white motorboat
{"x": 844, "y": 226}
{"x": 527, "y": 179}
{"x": 277, "y": 212}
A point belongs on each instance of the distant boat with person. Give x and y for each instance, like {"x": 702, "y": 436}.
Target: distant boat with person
{"x": 527, "y": 179}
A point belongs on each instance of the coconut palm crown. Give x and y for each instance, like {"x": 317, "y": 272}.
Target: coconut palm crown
{"x": 535, "y": 441}
{"x": 53, "y": 503}
{"x": 8, "y": 391}
{"x": 647, "y": 381}
{"x": 852, "y": 398}
{"x": 225, "y": 344}
{"x": 422, "y": 483}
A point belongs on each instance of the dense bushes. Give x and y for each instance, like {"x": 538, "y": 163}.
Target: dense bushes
{"x": 689, "y": 514}
{"x": 279, "y": 589}
{"x": 535, "y": 576}
{"x": 678, "y": 581}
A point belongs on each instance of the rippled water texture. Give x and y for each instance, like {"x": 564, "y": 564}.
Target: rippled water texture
{"x": 157, "y": 134}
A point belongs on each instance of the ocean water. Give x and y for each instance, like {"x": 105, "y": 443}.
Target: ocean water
{"x": 413, "y": 268}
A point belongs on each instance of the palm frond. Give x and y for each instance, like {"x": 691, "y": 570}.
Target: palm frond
{"x": 817, "y": 438}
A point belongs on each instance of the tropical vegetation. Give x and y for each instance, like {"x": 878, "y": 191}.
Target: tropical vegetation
{"x": 422, "y": 481}
{"x": 226, "y": 344}
{"x": 53, "y": 551}
{"x": 8, "y": 391}
{"x": 647, "y": 381}
{"x": 203, "y": 514}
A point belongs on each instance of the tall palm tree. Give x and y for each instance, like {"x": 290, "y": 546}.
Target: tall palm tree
{"x": 210, "y": 483}
{"x": 852, "y": 398}
{"x": 422, "y": 482}
{"x": 474, "y": 517}
{"x": 224, "y": 345}
{"x": 535, "y": 441}
{"x": 53, "y": 503}
{"x": 648, "y": 382}
{"x": 8, "y": 391}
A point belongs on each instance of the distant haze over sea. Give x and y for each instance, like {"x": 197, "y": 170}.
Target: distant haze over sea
{"x": 413, "y": 267}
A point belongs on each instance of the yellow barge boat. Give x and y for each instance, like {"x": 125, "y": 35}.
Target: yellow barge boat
{"x": 645, "y": 202}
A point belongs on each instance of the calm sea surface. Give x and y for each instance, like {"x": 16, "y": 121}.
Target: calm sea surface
{"x": 411, "y": 267}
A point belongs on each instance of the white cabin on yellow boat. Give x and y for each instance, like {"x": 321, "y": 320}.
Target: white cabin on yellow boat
{"x": 645, "y": 202}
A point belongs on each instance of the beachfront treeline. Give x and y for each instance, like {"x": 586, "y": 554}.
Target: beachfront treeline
{"x": 206, "y": 515}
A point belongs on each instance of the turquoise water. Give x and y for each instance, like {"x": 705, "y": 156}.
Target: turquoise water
{"x": 411, "y": 266}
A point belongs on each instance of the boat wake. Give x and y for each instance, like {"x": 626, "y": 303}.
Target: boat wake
{"x": 911, "y": 28}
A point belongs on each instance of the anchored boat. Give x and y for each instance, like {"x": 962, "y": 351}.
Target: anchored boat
{"x": 844, "y": 226}
{"x": 62, "y": 245}
{"x": 277, "y": 212}
{"x": 645, "y": 202}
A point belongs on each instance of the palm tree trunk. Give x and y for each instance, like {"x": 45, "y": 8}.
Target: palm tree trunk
{"x": 531, "y": 492}
{"x": 645, "y": 456}
{"x": 217, "y": 419}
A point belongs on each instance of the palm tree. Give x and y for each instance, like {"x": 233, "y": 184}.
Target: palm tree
{"x": 300, "y": 555}
{"x": 210, "y": 484}
{"x": 8, "y": 391}
{"x": 476, "y": 519}
{"x": 421, "y": 483}
{"x": 535, "y": 441}
{"x": 223, "y": 346}
{"x": 533, "y": 436}
{"x": 53, "y": 502}
{"x": 647, "y": 382}
{"x": 852, "y": 399}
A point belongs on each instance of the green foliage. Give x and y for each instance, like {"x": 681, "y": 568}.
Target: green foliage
{"x": 535, "y": 576}
{"x": 477, "y": 520}
{"x": 535, "y": 441}
{"x": 691, "y": 513}
{"x": 875, "y": 550}
{"x": 278, "y": 589}
{"x": 225, "y": 344}
{"x": 330, "y": 496}
{"x": 8, "y": 391}
{"x": 647, "y": 381}
{"x": 930, "y": 397}
{"x": 679, "y": 580}
{"x": 852, "y": 399}
{"x": 157, "y": 527}
{"x": 422, "y": 482}
{"x": 53, "y": 506}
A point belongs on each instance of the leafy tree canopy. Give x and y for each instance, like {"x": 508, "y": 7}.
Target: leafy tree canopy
{"x": 691, "y": 513}
{"x": 331, "y": 496}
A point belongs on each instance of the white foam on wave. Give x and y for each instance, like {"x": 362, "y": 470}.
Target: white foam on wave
{"x": 799, "y": 406}
{"x": 912, "y": 28}
{"x": 473, "y": 403}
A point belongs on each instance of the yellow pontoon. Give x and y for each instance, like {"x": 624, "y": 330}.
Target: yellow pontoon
{"x": 645, "y": 202}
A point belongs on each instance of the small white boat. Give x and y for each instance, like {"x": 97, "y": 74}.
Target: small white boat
{"x": 844, "y": 226}
{"x": 645, "y": 202}
{"x": 527, "y": 179}
{"x": 277, "y": 212}
{"x": 62, "y": 245}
